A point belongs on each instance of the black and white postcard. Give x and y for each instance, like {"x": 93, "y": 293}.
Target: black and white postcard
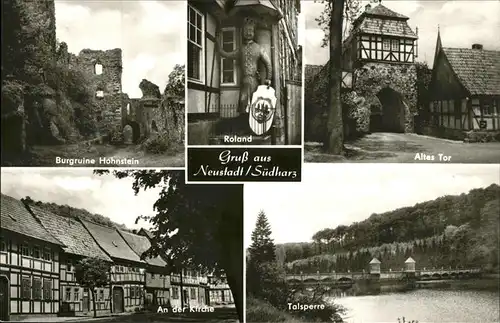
{"x": 244, "y": 72}
{"x": 93, "y": 83}
{"x": 119, "y": 246}
{"x": 375, "y": 243}
{"x": 402, "y": 81}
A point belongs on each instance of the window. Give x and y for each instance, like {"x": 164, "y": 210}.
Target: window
{"x": 47, "y": 289}
{"x": 152, "y": 276}
{"x": 37, "y": 288}
{"x": 68, "y": 294}
{"x": 68, "y": 265}
{"x": 228, "y": 70}
{"x": 486, "y": 107}
{"x": 26, "y": 287}
{"x": 132, "y": 292}
{"x": 25, "y": 250}
{"x": 3, "y": 246}
{"x": 387, "y": 44}
{"x": 395, "y": 45}
{"x": 77, "y": 294}
{"x": 35, "y": 252}
{"x": 128, "y": 108}
{"x": 99, "y": 93}
{"x": 101, "y": 295}
{"x": 47, "y": 255}
{"x": 193, "y": 293}
{"x": 195, "y": 44}
{"x": 175, "y": 293}
{"x": 98, "y": 69}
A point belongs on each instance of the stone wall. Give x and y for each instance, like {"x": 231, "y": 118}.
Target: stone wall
{"x": 374, "y": 77}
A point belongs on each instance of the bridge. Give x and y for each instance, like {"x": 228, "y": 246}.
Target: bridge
{"x": 349, "y": 278}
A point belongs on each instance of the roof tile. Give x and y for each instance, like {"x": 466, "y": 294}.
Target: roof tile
{"x": 15, "y": 217}
{"x": 141, "y": 244}
{"x": 71, "y": 232}
{"x": 478, "y": 70}
{"x": 111, "y": 242}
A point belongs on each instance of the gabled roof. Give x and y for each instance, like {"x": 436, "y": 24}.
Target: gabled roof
{"x": 111, "y": 242}
{"x": 147, "y": 233}
{"x": 410, "y": 261}
{"x": 71, "y": 232}
{"x": 383, "y": 11}
{"x": 383, "y": 21}
{"x": 15, "y": 217}
{"x": 141, "y": 244}
{"x": 375, "y": 261}
{"x": 478, "y": 70}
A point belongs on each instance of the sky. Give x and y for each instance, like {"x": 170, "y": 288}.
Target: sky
{"x": 330, "y": 195}
{"x": 151, "y": 35}
{"x": 461, "y": 23}
{"x": 80, "y": 188}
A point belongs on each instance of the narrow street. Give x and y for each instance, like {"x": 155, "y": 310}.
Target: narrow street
{"x": 403, "y": 148}
{"x": 219, "y": 316}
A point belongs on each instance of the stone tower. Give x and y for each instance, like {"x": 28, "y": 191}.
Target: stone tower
{"x": 379, "y": 56}
{"x": 105, "y": 70}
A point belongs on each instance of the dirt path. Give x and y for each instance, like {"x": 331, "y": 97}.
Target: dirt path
{"x": 403, "y": 148}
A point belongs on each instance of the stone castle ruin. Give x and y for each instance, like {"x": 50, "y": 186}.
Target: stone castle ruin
{"x": 41, "y": 107}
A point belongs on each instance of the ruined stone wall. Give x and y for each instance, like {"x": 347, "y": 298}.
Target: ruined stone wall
{"x": 373, "y": 77}
{"x": 108, "y": 107}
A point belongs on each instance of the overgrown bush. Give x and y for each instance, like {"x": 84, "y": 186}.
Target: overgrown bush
{"x": 12, "y": 95}
{"x": 157, "y": 144}
{"x": 261, "y": 311}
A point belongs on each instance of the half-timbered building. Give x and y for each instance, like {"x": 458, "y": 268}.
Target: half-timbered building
{"x": 78, "y": 244}
{"x": 127, "y": 272}
{"x": 29, "y": 264}
{"x": 465, "y": 93}
{"x": 219, "y": 292}
{"x": 214, "y": 82}
{"x": 157, "y": 278}
{"x": 378, "y": 71}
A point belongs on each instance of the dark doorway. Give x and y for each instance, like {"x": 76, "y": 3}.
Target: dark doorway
{"x": 85, "y": 300}
{"x": 136, "y": 131}
{"x": 153, "y": 126}
{"x": 4, "y": 299}
{"x": 118, "y": 300}
{"x": 185, "y": 294}
{"x": 391, "y": 117}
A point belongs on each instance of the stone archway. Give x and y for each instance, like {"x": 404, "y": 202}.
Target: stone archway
{"x": 391, "y": 117}
{"x": 131, "y": 133}
{"x": 391, "y": 88}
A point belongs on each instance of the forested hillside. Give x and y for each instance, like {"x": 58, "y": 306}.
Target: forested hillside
{"x": 452, "y": 231}
{"x": 71, "y": 212}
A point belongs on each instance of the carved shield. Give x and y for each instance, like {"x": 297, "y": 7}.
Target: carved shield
{"x": 262, "y": 108}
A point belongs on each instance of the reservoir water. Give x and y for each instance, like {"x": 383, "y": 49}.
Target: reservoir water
{"x": 424, "y": 306}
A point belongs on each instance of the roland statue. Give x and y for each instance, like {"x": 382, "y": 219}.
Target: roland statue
{"x": 249, "y": 56}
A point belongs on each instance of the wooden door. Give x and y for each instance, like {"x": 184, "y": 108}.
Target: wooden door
{"x": 118, "y": 300}
{"x": 185, "y": 294}
{"x": 4, "y": 299}
{"x": 85, "y": 301}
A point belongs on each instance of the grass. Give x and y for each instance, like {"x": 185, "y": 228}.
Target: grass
{"x": 258, "y": 311}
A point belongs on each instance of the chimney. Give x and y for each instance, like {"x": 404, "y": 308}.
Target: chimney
{"x": 368, "y": 7}
{"x": 477, "y": 46}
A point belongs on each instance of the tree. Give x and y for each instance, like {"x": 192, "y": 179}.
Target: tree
{"x": 176, "y": 79}
{"x": 195, "y": 225}
{"x": 92, "y": 273}
{"x": 262, "y": 248}
{"x": 332, "y": 22}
